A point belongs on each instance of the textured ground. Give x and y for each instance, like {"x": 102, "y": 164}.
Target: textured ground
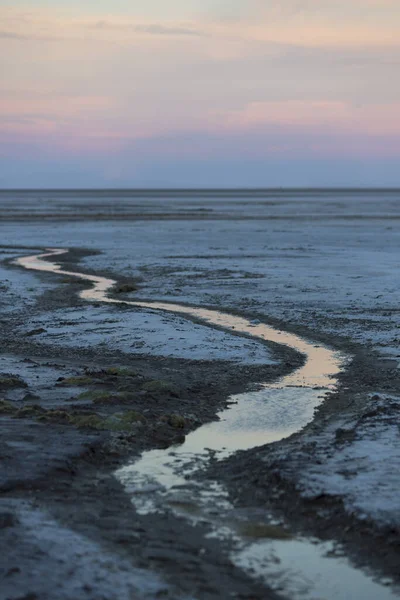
{"x": 323, "y": 267}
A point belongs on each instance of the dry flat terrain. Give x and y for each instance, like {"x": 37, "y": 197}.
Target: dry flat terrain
{"x": 87, "y": 387}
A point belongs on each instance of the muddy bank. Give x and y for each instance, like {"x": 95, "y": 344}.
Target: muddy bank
{"x": 336, "y": 478}
{"x": 119, "y": 413}
{"x": 69, "y": 419}
{"x": 61, "y": 461}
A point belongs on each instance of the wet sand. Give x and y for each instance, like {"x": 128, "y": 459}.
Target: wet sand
{"x": 281, "y": 276}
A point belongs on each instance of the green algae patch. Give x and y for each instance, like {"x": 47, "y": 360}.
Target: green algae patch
{"x": 97, "y": 396}
{"x": 8, "y": 380}
{"x": 119, "y": 422}
{"x": 54, "y": 415}
{"x": 27, "y": 412}
{"x": 126, "y": 396}
{"x": 105, "y": 397}
{"x": 116, "y": 425}
{"x": 177, "y": 421}
{"x": 131, "y": 417}
{"x": 87, "y": 421}
{"x": 127, "y": 421}
{"x": 80, "y": 420}
{"x": 158, "y": 386}
{"x": 263, "y": 531}
{"x": 6, "y": 408}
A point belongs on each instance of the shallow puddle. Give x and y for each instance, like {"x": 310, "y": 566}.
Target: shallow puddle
{"x": 161, "y": 480}
{"x": 305, "y": 570}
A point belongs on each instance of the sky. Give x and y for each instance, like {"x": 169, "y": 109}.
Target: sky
{"x": 125, "y": 93}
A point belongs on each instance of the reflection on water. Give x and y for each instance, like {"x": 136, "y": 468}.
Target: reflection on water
{"x": 268, "y": 415}
{"x": 258, "y": 418}
{"x": 309, "y": 571}
{"x": 321, "y": 365}
{"x": 161, "y": 479}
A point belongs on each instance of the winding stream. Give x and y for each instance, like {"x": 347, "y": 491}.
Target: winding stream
{"x": 268, "y": 415}
{"x": 161, "y": 479}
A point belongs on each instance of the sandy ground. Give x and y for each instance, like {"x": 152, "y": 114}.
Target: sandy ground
{"x": 322, "y": 267}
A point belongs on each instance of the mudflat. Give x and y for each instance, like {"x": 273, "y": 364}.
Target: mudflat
{"x": 87, "y": 387}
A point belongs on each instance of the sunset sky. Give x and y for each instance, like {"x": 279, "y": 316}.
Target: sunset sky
{"x": 199, "y": 93}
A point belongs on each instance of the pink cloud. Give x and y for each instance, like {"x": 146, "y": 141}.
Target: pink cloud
{"x": 46, "y": 104}
{"x": 323, "y": 115}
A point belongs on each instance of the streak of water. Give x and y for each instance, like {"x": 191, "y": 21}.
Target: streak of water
{"x": 161, "y": 478}
{"x": 321, "y": 365}
{"x": 270, "y": 414}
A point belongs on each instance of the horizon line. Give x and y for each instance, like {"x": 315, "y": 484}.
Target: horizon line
{"x": 180, "y": 190}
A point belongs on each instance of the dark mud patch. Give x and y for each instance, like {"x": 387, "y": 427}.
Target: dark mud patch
{"x": 62, "y": 461}
{"x": 11, "y": 381}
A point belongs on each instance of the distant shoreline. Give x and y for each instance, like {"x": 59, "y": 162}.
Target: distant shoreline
{"x": 199, "y": 192}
